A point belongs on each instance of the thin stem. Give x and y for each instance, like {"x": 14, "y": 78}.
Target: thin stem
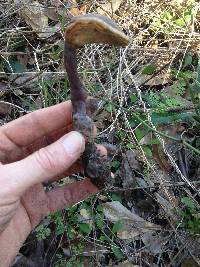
{"x": 78, "y": 92}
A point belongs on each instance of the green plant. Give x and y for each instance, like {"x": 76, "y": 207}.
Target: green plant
{"x": 190, "y": 219}
{"x": 54, "y": 91}
{"x": 72, "y": 224}
{"x": 173, "y": 21}
{"x": 194, "y": 90}
{"x": 42, "y": 232}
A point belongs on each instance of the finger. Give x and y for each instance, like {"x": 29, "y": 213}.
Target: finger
{"x": 47, "y": 139}
{"x": 50, "y": 138}
{"x": 70, "y": 194}
{"x": 31, "y": 127}
{"x": 42, "y": 165}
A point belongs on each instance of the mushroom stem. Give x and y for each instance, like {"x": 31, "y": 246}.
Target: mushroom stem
{"x": 78, "y": 92}
{"x": 86, "y": 30}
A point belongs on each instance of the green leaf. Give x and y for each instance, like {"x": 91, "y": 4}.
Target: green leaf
{"x": 154, "y": 141}
{"x": 99, "y": 208}
{"x": 85, "y": 228}
{"x": 115, "y": 197}
{"x": 188, "y": 203}
{"x": 167, "y": 16}
{"x": 130, "y": 145}
{"x": 109, "y": 108}
{"x": 117, "y": 252}
{"x": 133, "y": 98}
{"x": 147, "y": 151}
{"x": 149, "y": 70}
{"x": 42, "y": 232}
{"x": 171, "y": 117}
{"x": 99, "y": 221}
{"x": 197, "y": 118}
{"x": 116, "y": 164}
{"x": 198, "y": 73}
{"x": 180, "y": 22}
{"x": 71, "y": 233}
{"x": 104, "y": 238}
{"x": 117, "y": 226}
{"x": 187, "y": 60}
{"x": 139, "y": 134}
{"x": 188, "y": 18}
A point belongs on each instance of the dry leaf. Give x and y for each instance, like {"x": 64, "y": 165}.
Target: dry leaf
{"x": 160, "y": 157}
{"x": 128, "y": 234}
{"x": 3, "y": 88}
{"x": 129, "y": 163}
{"x": 154, "y": 243}
{"x": 51, "y": 13}
{"x": 189, "y": 263}
{"x": 110, "y": 7}
{"x": 34, "y": 15}
{"x": 56, "y": 3}
{"x": 167, "y": 206}
{"x": 75, "y": 10}
{"x": 5, "y": 108}
{"x": 85, "y": 217}
{"x": 133, "y": 225}
{"x": 160, "y": 79}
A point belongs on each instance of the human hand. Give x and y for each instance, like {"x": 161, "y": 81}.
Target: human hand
{"x": 33, "y": 149}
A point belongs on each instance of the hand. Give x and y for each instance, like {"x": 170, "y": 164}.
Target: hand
{"x": 33, "y": 149}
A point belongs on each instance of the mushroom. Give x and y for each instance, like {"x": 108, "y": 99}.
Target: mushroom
{"x": 87, "y": 29}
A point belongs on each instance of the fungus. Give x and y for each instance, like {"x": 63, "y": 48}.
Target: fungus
{"x": 87, "y": 29}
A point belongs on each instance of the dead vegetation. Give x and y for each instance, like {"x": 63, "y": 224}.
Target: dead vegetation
{"x": 148, "y": 108}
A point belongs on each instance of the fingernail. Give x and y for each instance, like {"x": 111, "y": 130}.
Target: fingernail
{"x": 74, "y": 143}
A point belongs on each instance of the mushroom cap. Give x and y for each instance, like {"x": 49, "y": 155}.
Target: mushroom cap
{"x": 94, "y": 28}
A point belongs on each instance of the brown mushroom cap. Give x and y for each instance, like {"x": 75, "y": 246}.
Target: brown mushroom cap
{"x": 94, "y": 28}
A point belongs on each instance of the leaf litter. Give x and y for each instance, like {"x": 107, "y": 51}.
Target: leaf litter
{"x": 149, "y": 185}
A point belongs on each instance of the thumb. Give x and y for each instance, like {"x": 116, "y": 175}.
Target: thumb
{"x": 41, "y": 165}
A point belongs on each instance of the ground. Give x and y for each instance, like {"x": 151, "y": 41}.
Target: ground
{"x": 148, "y": 109}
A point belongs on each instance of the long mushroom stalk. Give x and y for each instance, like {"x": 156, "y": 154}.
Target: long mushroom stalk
{"x": 78, "y": 92}
{"x": 82, "y": 122}
{"x": 82, "y": 30}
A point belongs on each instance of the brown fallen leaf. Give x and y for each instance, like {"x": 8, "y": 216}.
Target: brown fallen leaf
{"x": 109, "y": 8}
{"x": 160, "y": 79}
{"x": 5, "y": 108}
{"x": 154, "y": 242}
{"x": 126, "y": 170}
{"x": 189, "y": 263}
{"x": 167, "y": 206}
{"x": 75, "y": 10}
{"x": 160, "y": 157}
{"x": 35, "y": 17}
{"x": 51, "y": 13}
{"x": 133, "y": 225}
{"x": 3, "y": 88}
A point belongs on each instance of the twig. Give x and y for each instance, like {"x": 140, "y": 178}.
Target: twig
{"x": 158, "y": 185}
{"x": 15, "y": 106}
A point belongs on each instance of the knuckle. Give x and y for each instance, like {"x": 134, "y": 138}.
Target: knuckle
{"x": 45, "y": 159}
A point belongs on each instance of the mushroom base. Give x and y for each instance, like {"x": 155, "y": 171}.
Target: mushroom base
{"x": 96, "y": 166}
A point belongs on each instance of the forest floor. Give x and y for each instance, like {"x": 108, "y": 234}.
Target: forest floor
{"x": 149, "y": 108}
